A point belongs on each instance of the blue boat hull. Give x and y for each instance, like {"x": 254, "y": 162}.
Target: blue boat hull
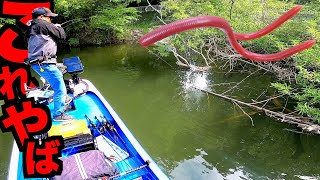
{"x": 93, "y": 104}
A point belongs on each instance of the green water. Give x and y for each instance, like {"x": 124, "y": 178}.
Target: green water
{"x": 189, "y": 134}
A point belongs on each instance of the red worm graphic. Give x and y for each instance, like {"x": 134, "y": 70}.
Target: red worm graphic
{"x": 222, "y": 24}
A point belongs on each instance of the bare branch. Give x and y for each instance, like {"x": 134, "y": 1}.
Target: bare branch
{"x": 285, "y": 106}
{"x": 260, "y": 96}
{"x": 266, "y": 100}
{"x": 241, "y": 81}
{"x": 244, "y": 112}
{"x": 222, "y": 84}
{"x": 306, "y": 126}
{"x": 159, "y": 57}
{"x": 294, "y": 131}
{"x": 150, "y": 5}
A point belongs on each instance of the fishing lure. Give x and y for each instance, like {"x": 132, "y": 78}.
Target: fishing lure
{"x": 222, "y": 24}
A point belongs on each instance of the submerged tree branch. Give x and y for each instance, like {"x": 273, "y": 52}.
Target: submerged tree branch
{"x": 306, "y": 126}
{"x": 244, "y": 112}
{"x": 266, "y": 100}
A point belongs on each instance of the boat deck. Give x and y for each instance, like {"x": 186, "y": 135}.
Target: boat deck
{"x": 92, "y": 105}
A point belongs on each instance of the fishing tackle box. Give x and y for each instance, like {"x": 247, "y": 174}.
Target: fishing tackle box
{"x": 76, "y": 135}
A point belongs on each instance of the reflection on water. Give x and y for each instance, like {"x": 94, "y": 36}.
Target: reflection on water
{"x": 198, "y": 168}
{"x": 307, "y": 177}
{"x": 5, "y": 152}
{"x": 3, "y": 169}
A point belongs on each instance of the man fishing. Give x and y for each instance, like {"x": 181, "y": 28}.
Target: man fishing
{"x": 42, "y": 37}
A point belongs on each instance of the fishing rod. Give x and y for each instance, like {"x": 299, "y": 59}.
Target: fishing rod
{"x": 95, "y": 127}
{"x": 72, "y": 21}
{"x": 131, "y": 170}
{"x": 126, "y": 172}
{"x": 104, "y": 128}
{"x": 111, "y": 127}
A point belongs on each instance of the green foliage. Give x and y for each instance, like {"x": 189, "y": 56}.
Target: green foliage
{"x": 249, "y": 16}
{"x": 115, "y": 19}
{"x": 306, "y": 109}
{"x": 145, "y": 21}
{"x": 108, "y": 20}
{"x": 74, "y": 42}
{"x": 6, "y": 21}
{"x": 282, "y": 87}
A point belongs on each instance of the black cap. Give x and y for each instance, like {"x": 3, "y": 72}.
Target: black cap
{"x": 43, "y": 11}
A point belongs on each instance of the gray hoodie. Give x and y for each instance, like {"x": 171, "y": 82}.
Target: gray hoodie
{"x": 42, "y": 38}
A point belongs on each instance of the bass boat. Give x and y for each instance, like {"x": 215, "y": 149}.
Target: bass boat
{"x": 97, "y": 143}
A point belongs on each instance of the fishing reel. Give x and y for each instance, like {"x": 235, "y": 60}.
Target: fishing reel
{"x": 103, "y": 125}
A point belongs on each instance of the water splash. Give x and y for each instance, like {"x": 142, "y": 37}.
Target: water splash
{"x": 193, "y": 98}
{"x": 196, "y": 79}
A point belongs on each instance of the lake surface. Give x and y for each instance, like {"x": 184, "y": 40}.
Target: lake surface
{"x": 192, "y": 135}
